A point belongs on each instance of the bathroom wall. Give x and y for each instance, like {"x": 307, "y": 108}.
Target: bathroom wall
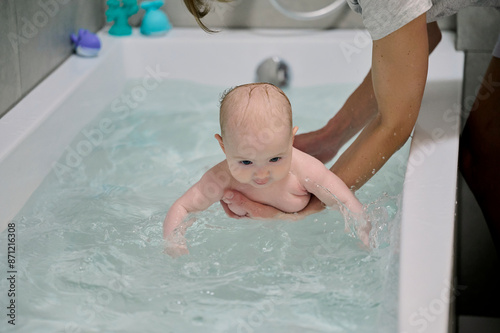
{"x": 34, "y": 40}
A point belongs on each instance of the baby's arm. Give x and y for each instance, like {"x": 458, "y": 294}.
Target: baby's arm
{"x": 208, "y": 190}
{"x": 324, "y": 184}
{"x": 331, "y": 190}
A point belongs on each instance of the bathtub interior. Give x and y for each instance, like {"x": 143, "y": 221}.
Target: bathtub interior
{"x": 138, "y": 58}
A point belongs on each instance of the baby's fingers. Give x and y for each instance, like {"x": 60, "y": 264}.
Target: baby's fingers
{"x": 176, "y": 251}
{"x": 176, "y": 246}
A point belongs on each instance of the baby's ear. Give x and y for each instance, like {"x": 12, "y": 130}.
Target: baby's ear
{"x": 294, "y": 131}
{"x": 219, "y": 138}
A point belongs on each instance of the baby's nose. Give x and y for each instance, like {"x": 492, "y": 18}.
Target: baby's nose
{"x": 262, "y": 173}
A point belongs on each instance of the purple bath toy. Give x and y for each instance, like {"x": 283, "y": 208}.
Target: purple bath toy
{"x": 86, "y": 44}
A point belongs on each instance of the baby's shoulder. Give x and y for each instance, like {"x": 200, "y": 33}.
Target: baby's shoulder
{"x": 221, "y": 167}
{"x": 301, "y": 159}
{"x": 305, "y": 164}
{"x": 220, "y": 173}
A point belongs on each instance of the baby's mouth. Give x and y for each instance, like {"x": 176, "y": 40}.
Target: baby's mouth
{"x": 261, "y": 181}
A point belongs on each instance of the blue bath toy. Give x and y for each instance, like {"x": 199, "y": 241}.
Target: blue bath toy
{"x": 86, "y": 43}
{"x": 155, "y": 22}
{"x": 119, "y": 12}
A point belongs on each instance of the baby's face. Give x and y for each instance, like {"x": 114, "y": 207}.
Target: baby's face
{"x": 259, "y": 157}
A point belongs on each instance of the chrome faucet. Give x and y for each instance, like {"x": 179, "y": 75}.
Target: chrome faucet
{"x": 273, "y": 70}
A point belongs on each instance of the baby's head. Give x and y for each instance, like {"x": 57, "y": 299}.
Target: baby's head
{"x": 256, "y": 133}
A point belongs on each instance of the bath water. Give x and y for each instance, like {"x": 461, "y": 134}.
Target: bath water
{"x": 90, "y": 249}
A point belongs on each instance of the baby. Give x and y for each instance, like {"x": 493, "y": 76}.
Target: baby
{"x": 257, "y": 137}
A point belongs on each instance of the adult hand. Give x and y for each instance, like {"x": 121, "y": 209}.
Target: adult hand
{"x": 322, "y": 144}
{"x": 356, "y": 112}
{"x": 236, "y": 205}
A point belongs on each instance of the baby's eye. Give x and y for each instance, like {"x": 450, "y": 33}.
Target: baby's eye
{"x": 246, "y": 162}
{"x": 275, "y": 159}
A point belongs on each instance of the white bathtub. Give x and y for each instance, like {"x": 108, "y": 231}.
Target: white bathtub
{"x": 36, "y": 132}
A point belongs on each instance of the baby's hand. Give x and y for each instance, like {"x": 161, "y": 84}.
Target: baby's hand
{"x": 176, "y": 247}
{"x": 363, "y": 232}
{"x": 361, "y": 225}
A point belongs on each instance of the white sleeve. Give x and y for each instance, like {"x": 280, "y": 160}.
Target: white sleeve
{"x": 382, "y": 17}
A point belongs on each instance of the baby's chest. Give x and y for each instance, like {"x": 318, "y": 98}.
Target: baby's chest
{"x": 288, "y": 196}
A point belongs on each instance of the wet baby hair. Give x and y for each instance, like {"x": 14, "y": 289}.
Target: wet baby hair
{"x": 280, "y": 111}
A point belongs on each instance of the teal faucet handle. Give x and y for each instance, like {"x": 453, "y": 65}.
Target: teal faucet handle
{"x": 151, "y": 4}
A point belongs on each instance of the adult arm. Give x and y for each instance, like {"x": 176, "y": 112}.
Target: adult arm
{"x": 359, "y": 108}
{"x": 399, "y": 73}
